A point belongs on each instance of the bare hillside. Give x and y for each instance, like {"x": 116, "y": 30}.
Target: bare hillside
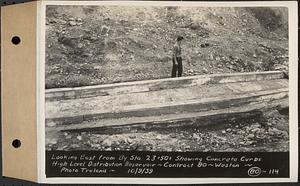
{"x": 89, "y": 45}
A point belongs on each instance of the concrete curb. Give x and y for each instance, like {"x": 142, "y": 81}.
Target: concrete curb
{"x": 159, "y": 84}
{"x": 193, "y": 106}
{"x": 172, "y": 120}
{"x": 165, "y": 100}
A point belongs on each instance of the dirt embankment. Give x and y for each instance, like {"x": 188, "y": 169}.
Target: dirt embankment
{"x": 88, "y": 45}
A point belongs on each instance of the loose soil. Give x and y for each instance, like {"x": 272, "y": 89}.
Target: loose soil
{"x": 91, "y": 45}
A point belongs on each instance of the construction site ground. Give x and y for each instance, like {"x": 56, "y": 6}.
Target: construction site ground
{"x": 88, "y": 45}
{"x": 266, "y": 134}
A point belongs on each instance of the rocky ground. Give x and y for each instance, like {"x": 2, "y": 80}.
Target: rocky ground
{"x": 89, "y": 45}
{"x": 269, "y": 134}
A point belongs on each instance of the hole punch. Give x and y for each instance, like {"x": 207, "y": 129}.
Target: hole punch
{"x": 16, "y": 40}
{"x": 16, "y": 143}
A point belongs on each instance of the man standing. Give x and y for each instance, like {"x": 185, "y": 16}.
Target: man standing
{"x": 176, "y": 58}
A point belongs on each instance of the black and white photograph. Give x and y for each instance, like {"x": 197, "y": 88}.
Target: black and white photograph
{"x": 168, "y": 90}
{"x": 167, "y": 78}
